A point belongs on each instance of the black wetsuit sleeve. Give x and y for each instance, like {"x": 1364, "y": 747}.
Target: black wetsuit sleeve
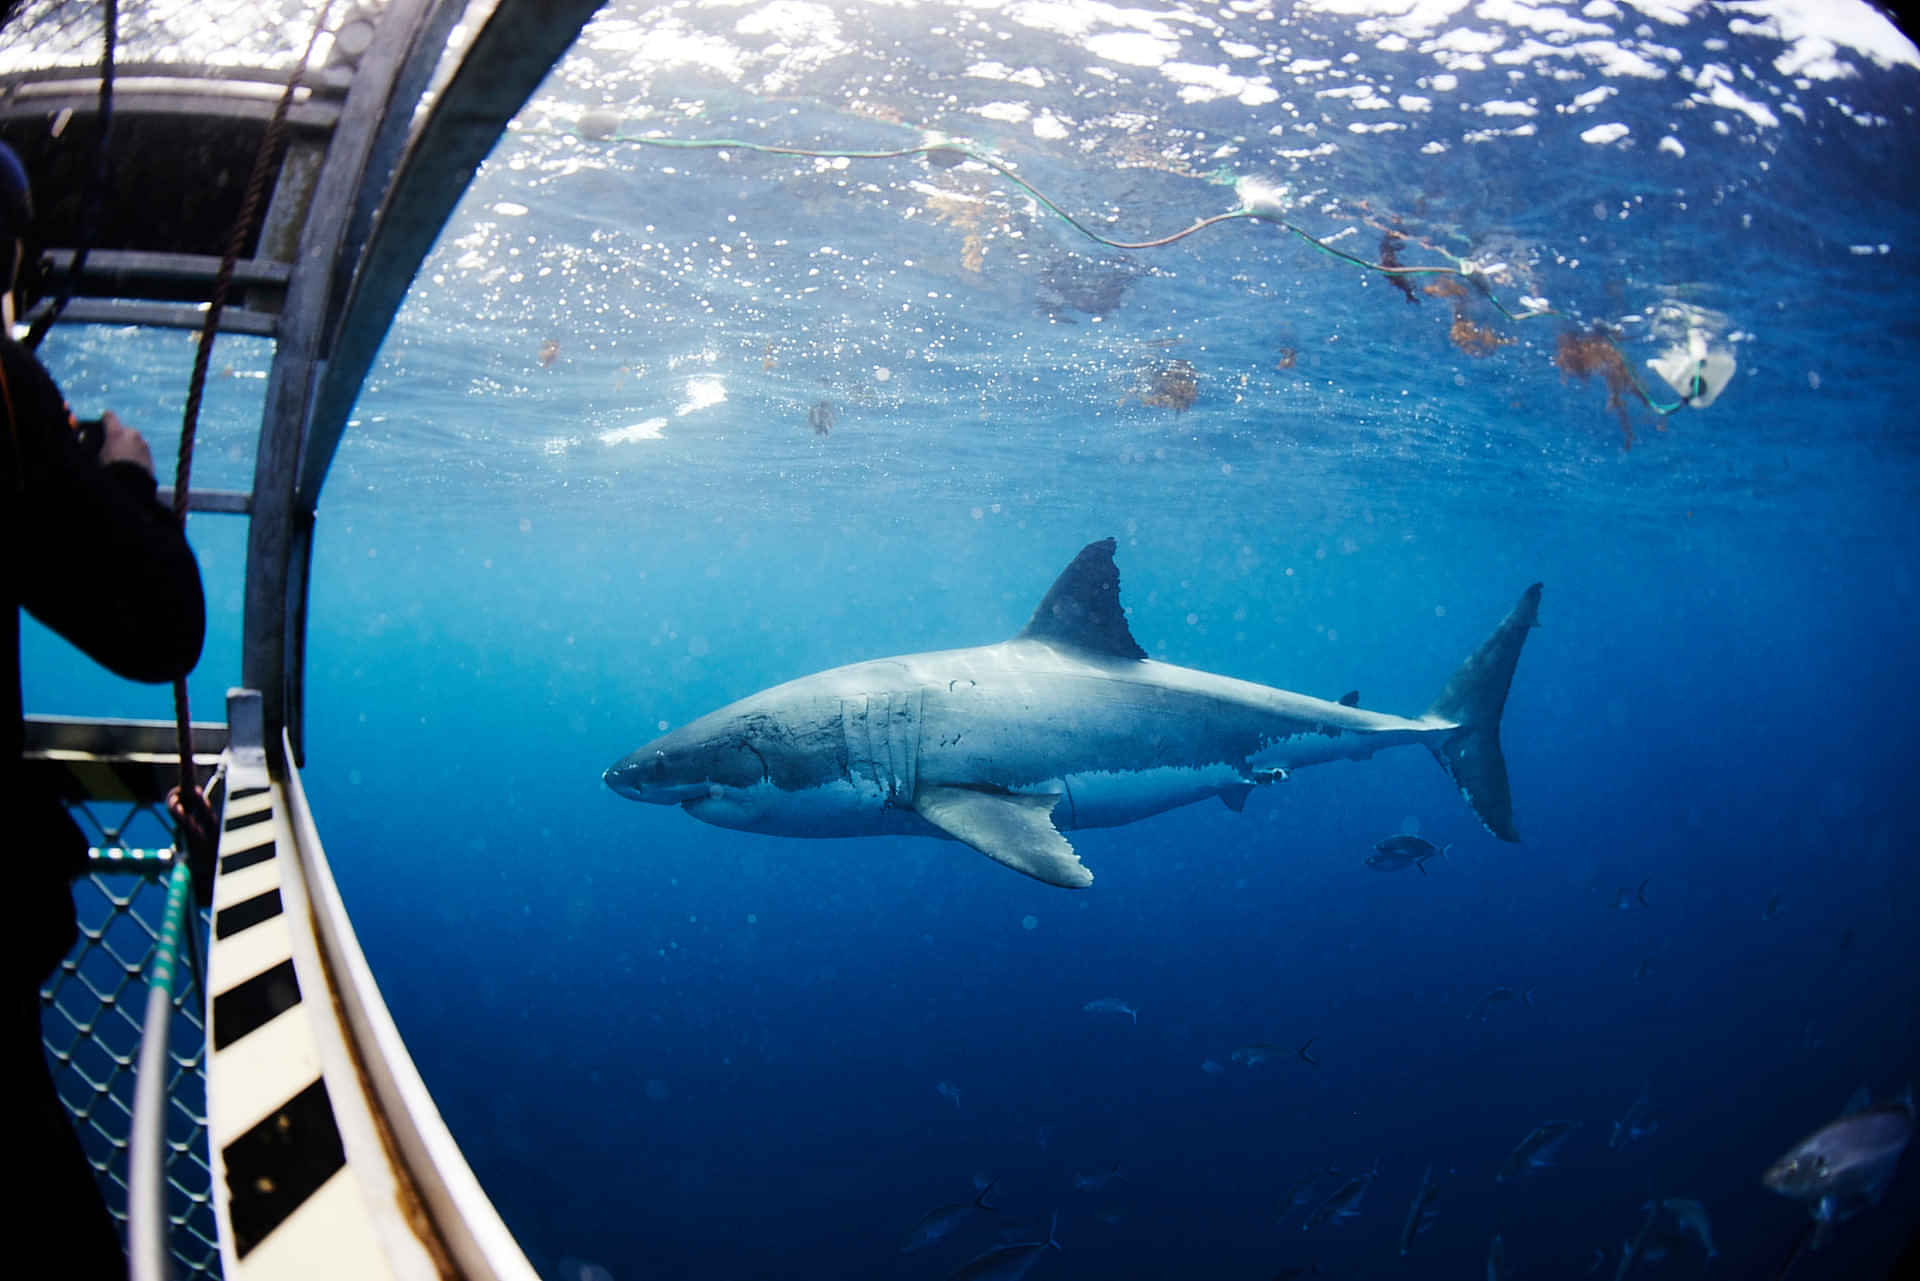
{"x": 104, "y": 564}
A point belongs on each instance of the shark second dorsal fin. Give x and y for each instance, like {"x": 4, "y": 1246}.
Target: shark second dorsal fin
{"x": 1082, "y": 608}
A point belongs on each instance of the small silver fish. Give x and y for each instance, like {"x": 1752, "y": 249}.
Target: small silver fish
{"x": 1624, "y": 899}
{"x": 1692, "y": 1216}
{"x": 1630, "y": 1251}
{"x": 939, "y": 1222}
{"x": 1097, "y": 1178}
{"x": 1397, "y": 853}
{"x": 1633, "y": 1125}
{"x": 1008, "y": 1262}
{"x": 1301, "y": 1194}
{"x": 1111, "y": 1005}
{"x": 1536, "y": 1150}
{"x": 1344, "y": 1202}
{"x": 1420, "y": 1214}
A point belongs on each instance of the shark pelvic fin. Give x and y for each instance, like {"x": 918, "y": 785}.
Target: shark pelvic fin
{"x": 1082, "y": 608}
{"x": 1473, "y": 700}
{"x": 1008, "y": 828}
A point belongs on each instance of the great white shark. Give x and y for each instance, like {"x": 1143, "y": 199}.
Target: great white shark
{"x": 1068, "y": 725}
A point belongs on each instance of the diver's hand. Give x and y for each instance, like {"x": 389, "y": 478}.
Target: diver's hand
{"x": 123, "y": 444}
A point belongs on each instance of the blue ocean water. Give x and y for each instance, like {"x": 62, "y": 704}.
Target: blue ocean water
{"x": 583, "y": 501}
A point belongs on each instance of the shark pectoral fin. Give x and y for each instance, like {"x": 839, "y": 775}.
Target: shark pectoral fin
{"x": 1235, "y": 797}
{"x": 1011, "y": 829}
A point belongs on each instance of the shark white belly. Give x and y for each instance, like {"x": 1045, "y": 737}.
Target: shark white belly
{"x": 1068, "y": 725}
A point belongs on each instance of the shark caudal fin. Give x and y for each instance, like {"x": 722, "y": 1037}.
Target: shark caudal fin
{"x": 1473, "y": 700}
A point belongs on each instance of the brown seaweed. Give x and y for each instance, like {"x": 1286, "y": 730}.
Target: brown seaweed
{"x": 1585, "y": 354}
{"x": 1390, "y": 244}
{"x": 1174, "y": 385}
{"x": 1472, "y": 337}
{"x": 1467, "y": 334}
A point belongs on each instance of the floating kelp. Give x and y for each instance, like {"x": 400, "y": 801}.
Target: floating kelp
{"x": 1472, "y": 337}
{"x": 1583, "y": 354}
{"x": 1173, "y": 385}
{"x": 1390, "y": 244}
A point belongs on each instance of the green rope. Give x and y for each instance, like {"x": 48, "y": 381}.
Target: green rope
{"x": 948, "y": 153}
{"x": 166, "y": 949}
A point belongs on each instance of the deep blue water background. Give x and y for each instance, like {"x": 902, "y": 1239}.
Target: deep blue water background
{"x": 1717, "y": 709}
{"x": 685, "y": 1052}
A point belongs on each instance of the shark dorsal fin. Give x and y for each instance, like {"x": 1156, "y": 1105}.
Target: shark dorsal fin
{"x": 1082, "y": 608}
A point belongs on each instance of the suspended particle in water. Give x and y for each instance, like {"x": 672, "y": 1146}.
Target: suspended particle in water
{"x": 1029, "y": 922}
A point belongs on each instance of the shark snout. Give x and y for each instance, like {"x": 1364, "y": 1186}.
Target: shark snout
{"x": 643, "y": 776}
{"x": 654, "y": 776}
{"x": 621, "y": 779}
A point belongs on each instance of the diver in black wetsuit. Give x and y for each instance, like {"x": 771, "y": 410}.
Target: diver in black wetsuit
{"x": 92, "y": 553}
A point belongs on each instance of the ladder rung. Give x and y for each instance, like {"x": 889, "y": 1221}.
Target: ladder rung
{"x": 160, "y": 315}
{"x": 172, "y": 268}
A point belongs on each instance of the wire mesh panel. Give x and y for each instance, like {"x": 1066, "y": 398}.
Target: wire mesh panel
{"x": 260, "y": 34}
{"x": 90, "y": 1023}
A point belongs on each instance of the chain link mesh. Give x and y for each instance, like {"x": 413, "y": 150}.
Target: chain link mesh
{"x": 267, "y": 35}
{"x": 91, "y": 1012}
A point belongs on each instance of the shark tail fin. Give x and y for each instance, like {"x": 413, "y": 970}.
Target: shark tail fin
{"x": 1473, "y": 700}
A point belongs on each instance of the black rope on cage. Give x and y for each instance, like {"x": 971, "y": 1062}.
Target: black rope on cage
{"x": 187, "y": 803}
{"x": 95, "y": 194}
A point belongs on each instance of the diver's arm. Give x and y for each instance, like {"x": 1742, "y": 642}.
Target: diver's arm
{"x": 102, "y": 562}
